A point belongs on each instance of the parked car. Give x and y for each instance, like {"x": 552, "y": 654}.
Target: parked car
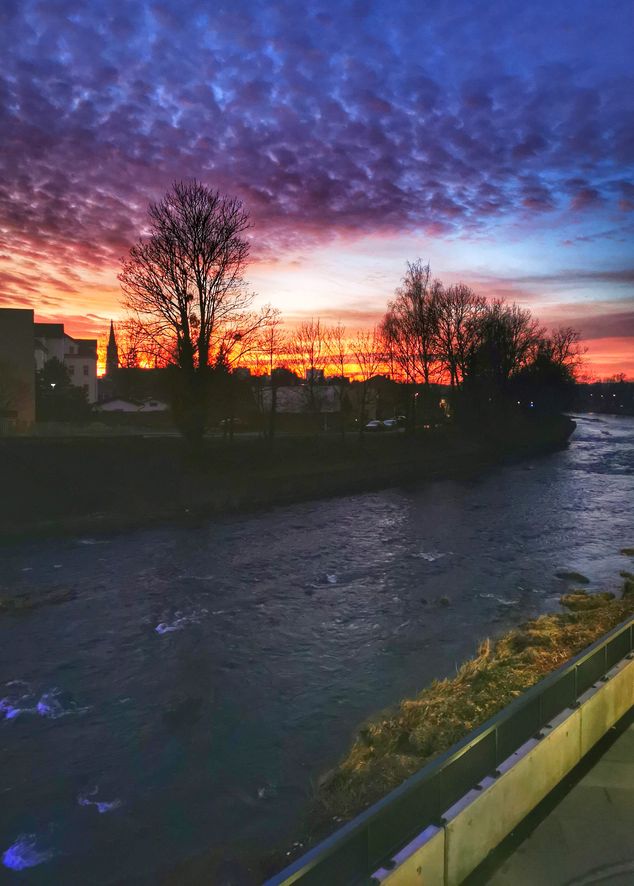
{"x": 390, "y": 424}
{"x": 374, "y": 425}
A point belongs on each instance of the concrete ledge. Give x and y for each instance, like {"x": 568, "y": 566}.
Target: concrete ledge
{"x": 421, "y": 862}
{"x": 483, "y": 818}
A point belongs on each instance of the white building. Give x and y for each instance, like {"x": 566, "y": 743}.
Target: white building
{"x": 79, "y": 355}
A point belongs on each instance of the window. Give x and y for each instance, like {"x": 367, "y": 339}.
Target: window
{"x": 86, "y": 388}
{"x": 85, "y": 369}
{"x": 71, "y": 369}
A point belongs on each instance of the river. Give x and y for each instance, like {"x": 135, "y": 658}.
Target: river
{"x": 176, "y": 711}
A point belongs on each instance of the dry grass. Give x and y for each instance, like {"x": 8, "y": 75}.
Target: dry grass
{"x": 579, "y": 601}
{"x": 396, "y": 745}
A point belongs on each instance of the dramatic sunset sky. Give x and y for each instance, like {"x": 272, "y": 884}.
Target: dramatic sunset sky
{"x": 494, "y": 139}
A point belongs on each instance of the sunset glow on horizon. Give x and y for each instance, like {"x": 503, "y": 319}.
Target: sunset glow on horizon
{"x": 495, "y": 142}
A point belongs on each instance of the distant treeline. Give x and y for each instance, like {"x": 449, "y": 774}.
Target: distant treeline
{"x": 615, "y": 397}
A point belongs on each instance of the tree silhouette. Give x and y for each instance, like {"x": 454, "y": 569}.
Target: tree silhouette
{"x": 410, "y": 324}
{"x": 184, "y": 284}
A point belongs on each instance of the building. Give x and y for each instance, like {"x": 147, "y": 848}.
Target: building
{"x": 17, "y": 366}
{"x": 79, "y": 355}
{"x": 25, "y": 348}
{"x": 112, "y": 353}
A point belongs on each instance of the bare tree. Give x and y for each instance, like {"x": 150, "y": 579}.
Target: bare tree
{"x": 307, "y": 349}
{"x": 410, "y": 324}
{"x": 563, "y": 347}
{"x": 507, "y": 339}
{"x": 458, "y": 312}
{"x": 138, "y": 348}
{"x": 272, "y": 347}
{"x": 368, "y": 351}
{"x": 337, "y": 346}
{"x": 184, "y": 284}
{"x": 240, "y": 340}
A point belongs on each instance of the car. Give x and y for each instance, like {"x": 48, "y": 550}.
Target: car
{"x": 374, "y": 425}
{"x": 390, "y": 424}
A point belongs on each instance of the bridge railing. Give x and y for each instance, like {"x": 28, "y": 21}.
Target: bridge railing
{"x": 360, "y": 847}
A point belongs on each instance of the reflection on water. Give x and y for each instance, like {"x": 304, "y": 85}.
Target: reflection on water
{"x": 213, "y": 673}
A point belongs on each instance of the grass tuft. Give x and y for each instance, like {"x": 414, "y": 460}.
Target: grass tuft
{"x": 580, "y": 601}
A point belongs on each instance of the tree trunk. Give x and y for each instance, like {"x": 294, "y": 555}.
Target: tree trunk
{"x": 273, "y": 409}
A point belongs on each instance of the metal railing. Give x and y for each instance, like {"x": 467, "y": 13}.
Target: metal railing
{"x": 355, "y": 851}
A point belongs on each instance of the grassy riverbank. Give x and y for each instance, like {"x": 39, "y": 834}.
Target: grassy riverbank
{"x": 88, "y": 485}
{"x": 395, "y": 745}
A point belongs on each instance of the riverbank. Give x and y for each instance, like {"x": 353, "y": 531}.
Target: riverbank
{"x": 79, "y": 485}
{"x": 287, "y": 629}
{"x": 397, "y": 743}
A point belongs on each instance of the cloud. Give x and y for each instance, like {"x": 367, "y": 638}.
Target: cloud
{"x": 331, "y": 121}
{"x": 568, "y": 277}
{"x": 336, "y": 125}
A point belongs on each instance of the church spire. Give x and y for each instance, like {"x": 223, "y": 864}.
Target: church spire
{"x": 112, "y": 352}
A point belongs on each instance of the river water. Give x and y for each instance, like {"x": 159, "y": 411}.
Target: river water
{"x": 178, "y": 709}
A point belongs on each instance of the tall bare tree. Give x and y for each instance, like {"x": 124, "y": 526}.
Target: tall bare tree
{"x": 184, "y": 283}
{"x": 410, "y": 324}
{"x": 458, "y": 312}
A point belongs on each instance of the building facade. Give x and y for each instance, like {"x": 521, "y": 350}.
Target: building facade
{"x": 79, "y": 355}
{"x": 25, "y": 347}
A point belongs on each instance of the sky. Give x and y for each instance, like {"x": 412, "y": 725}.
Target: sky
{"x": 493, "y": 139}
